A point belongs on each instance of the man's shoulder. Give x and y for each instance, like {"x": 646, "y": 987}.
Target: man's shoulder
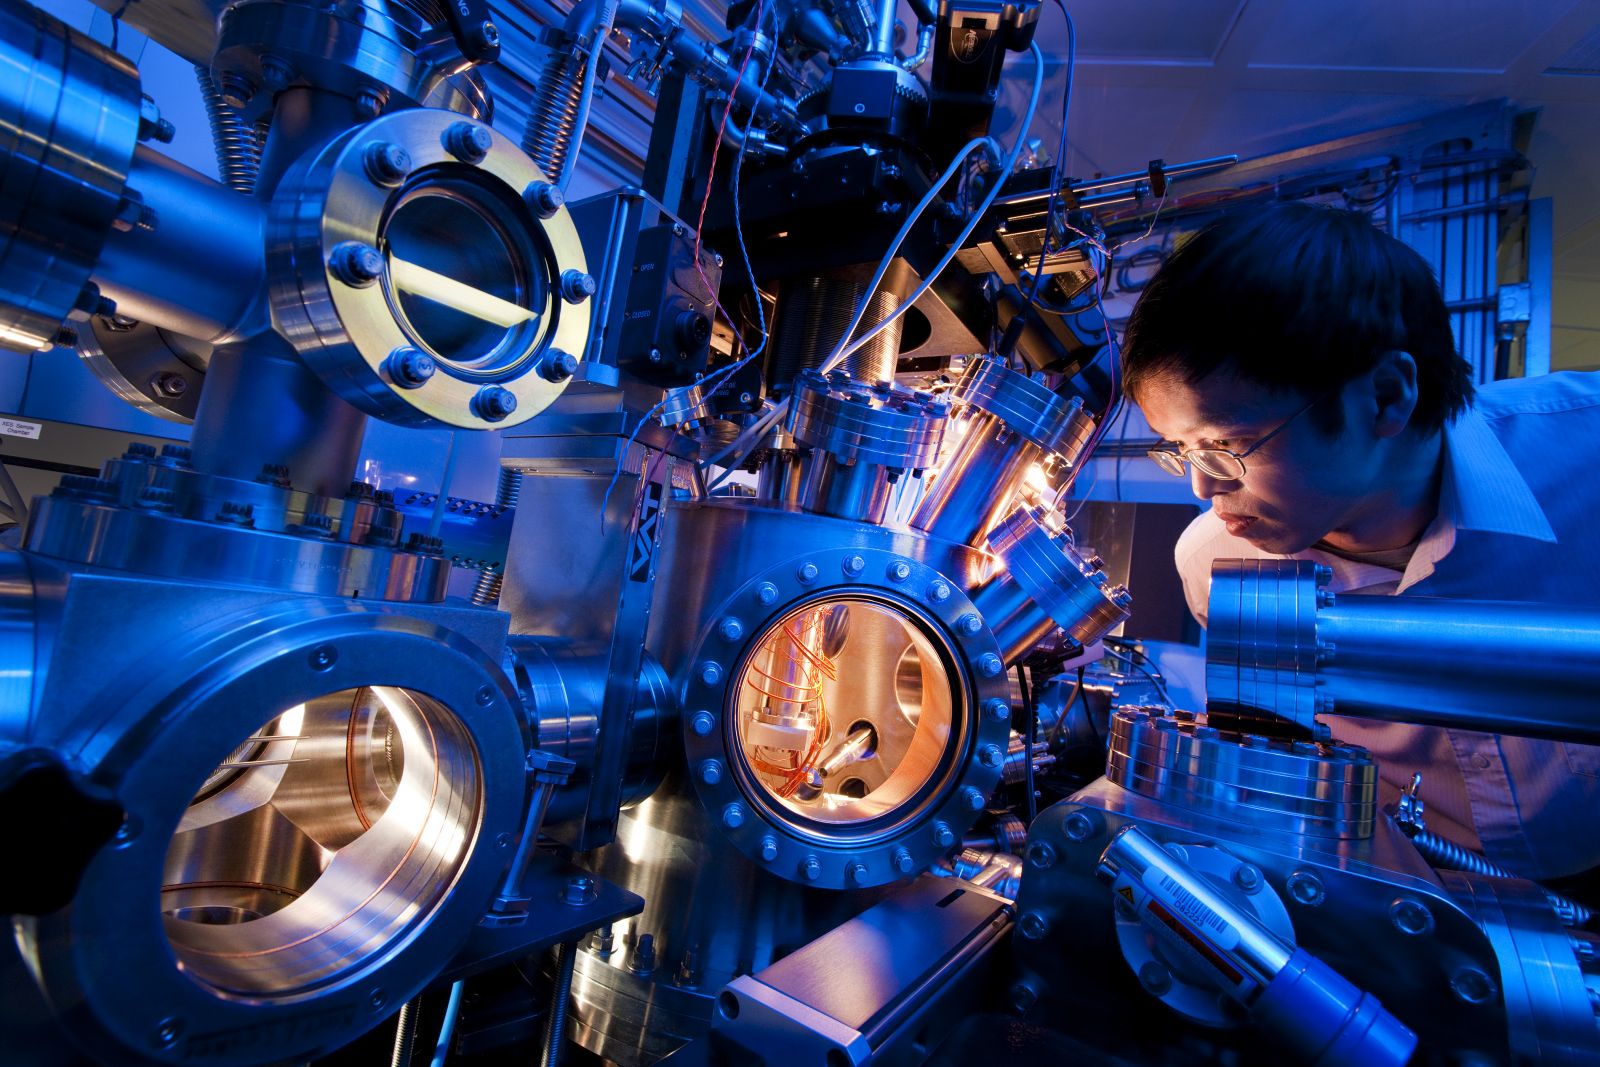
{"x": 1206, "y": 538}
{"x": 1547, "y": 394}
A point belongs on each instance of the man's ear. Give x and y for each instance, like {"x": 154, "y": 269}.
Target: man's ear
{"x": 1394, "y": 391}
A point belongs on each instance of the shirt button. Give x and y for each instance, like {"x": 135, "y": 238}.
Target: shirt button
{"x": 1480, "y": 761}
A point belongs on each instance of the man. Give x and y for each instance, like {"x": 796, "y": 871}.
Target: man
{"x": 1300, "y": 367}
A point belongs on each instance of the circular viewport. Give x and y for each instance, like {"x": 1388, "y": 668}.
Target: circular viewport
{"x": 332, "y": 830}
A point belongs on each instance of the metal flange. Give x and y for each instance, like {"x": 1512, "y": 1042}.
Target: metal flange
{"x": 911, "y": 835}
{"x": 415, "y": 263}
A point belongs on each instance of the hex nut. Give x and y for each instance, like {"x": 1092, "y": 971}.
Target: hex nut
{"x": 545, "y": 199}
{"x": 494, "y": 403}
{"x": 468, "y": 141}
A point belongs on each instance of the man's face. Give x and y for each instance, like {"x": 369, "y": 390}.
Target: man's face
{"x": 1300, "y": 487}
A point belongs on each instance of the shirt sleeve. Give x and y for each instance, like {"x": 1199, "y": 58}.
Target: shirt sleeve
{"x": 1196, "y": 549}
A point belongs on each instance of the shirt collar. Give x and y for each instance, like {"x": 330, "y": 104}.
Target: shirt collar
{"x": 1483, "y": 490}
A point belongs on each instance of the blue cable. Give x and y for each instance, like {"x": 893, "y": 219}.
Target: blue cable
{"x": 1061, "y": 153}
{"x": 447, "y": 1029}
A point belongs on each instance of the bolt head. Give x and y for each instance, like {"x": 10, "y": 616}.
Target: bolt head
{"x": 807, "y": 573}
{"x": 856, "y": 873}
{"x": 903, "y": 862}
{"x": 991, "y": 756}
{"x": 557, "y": 366}
{"x": 899, "y": 571}
{"x": 545, "y": 199}
{"x": 410, "y": 368}
{"x": 468, "y": 141}
{"x": 939, "y": 592}
{"x": 1078, "y": 827}
{"x": 973, "y": 799}
{"x": 1247, "y": 877}
{"x": 711, "y": 673}
{"x": 386, "y": 163}
{"x": 1306, "y": 888}
{"x": 275, "y": 74}
{"x": 730, "y": 629}
{"x": 989, "y": 665}
{"x": 356, "y": 264}
{"x": 733, "y": 816}
{"x": 1471, "y": 986}
{"x": 998, "y": 709}
{"x": 494, "y": 403}
{"x": 703, "y": 723}
{"x": 969, "y": 624}
{"x": 576, "y": 286}
{"x": 811, "y": 867}
{"x": 170, "y": 384}
{"x": 766, "y": 593}
{"x": 1033, "y": 926}
{"x": 710, "y": 772}
{"x": 943, "y": 836}
{"x": 1041, "y": 855}
{"x": 1155, "y": 978}
{"x": 1023, "y": 996}
{"x": 769, "y": 849}
{"x": 1411, "y": 917}
{"x": 854, "y": 565}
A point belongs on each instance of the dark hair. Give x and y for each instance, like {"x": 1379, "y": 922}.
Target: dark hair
{"x": 1300, "y": 298}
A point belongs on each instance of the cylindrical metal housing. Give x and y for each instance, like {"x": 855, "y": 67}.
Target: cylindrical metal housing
{"x": 69, "y": 120}
{"x": 813, "y": 312}
{"x": 861, "y": 441}
{"x": 1011, "y": 423}
{"x": 1282, "y": 646}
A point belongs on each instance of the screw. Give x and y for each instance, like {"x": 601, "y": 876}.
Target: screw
{"x": 370, "y": 102}
{"x": 730, "y": 628}
{"x": 991, "y": 756}
{"x": 1411, "y": 916}
{"x": 238, "y": 514}
{"x": 493, "y": 403}
{"x": 807, "y": 573}
{"x": 65, "y": 337}
{"x": 989, "y": 665}
{"x": 899, "y": 570}
{"x": 323, "y": 657}
{"x": 973, "y": 799}
{"x": 644, "y": 956}
{"x": 856, "y": 873}
{"x": 169, "y": 384}
{"x": 151, "y": 125}
{"x": 1155, "y": 978}
{"x": 484, "y": 696}
{"x": 969, "y": 624}
{"x": 711, "y": 673}
{"x": 544, "y": 198}
{"x": 579, "y": 890}
{"x": 1023, "y": 996}
{"x": 237, "y": 88}
{"x": 274, "y": 474}
{"x": 811, "y": 867}
{"x": 710, "y": 772}
{"x": 1033, "y": 925}
{"x": 1041, "y": 855}
{"x": 1324, "y": 598}
{"x": 733, "y": 816}
{"x": 902, "y": 861}
{"x": 357, "y": 265}
{"x": 1471, "y": 985}
{"x": 410, "y": 368}
{"x": 557, "y": 366}
{"x": 766, "y": 593}
{"x": 939, "y": 592}
{"x": 1247, "y": 877}
{"x": 168, "y": 1031}
{"x": 1306, "y": 888}
{"x": 1078, "y": 827}
{"x": 275, "y": 74}
{"x": 769, "y": 848}
{"x": 703, "y": 723}
{"x": 386, "y": 163}
{"x": 854, "y": 565}
{"x": 656, "y": 356}
{"x": 378, "y": 999}
{"x": 468, "y": 141}
{"x": 943, "y": 836}
{"x": 998, "y": 709}
{"x": 576, "y": 286}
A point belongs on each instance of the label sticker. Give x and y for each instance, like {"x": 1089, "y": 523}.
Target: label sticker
{"x": 18, "y": 428}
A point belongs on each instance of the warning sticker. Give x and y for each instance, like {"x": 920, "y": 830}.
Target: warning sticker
{"x": 18, "y": 428}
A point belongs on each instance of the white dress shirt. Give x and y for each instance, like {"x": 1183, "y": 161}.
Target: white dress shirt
{"x": 1518, "y": 519}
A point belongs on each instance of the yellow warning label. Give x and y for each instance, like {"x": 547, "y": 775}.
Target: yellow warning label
{"x": 1125, "y": 892}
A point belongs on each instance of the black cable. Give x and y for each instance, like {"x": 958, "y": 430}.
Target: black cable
{"x": 1031, "y": 720}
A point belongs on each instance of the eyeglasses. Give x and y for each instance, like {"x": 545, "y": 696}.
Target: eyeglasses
{"x": 1223, "y": 464}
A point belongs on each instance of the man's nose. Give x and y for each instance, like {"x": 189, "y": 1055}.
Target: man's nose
{"x": 1205, "y": 486}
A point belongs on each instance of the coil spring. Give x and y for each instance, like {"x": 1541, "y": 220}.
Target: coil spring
{"x": 238, "y": 146}
{"x": 553, "y": 114}
{"x": 490, "y": 580}
{"x": 509, "y": 490}
{"x": 1441, "y": 852}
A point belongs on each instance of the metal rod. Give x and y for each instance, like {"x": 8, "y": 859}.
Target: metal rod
{"x": 555, "y": 1028}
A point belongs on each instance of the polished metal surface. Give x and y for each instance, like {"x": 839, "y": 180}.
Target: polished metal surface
{"x": 148, "y": 367}
{"x": 1279, "y": 645}
{"x": 1047, "y": 584}
{"x": 450, "y": 263}
{"x": 1322, "y": 789}
{"x": 857, "y": 441}
{"x": 813, "y": 312}
{"x": 69, "y": 119}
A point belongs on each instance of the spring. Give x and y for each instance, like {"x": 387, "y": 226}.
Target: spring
{"x": 487, "y": 591}
{"x": 509, "y": 489}
{"x": 553, "y": 115}
{"x": 1440, "y": 852}
{"x": 238, "y": 146}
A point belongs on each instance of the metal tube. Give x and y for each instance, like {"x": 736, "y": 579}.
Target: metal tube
{"x": 302, "y": 119}
{"x": 262, "y": 405}
{"x": 556, "y": 1027}
{"x": 979, "y": 482}
{"x": 200, "y": 269}
{"x": 883, "y": 27}
{"x": 1526, "y": 669}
